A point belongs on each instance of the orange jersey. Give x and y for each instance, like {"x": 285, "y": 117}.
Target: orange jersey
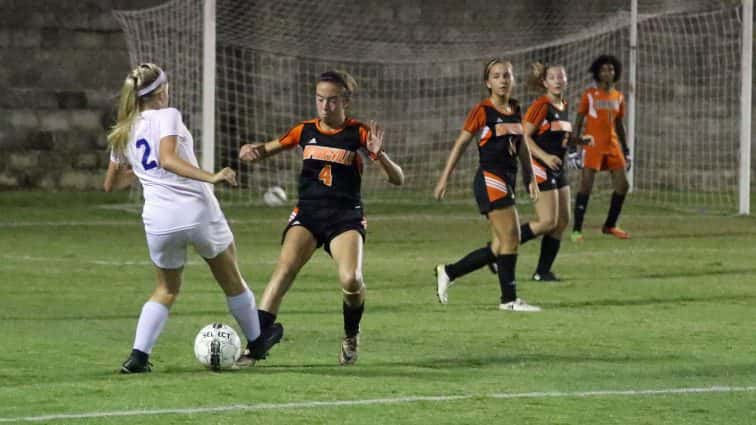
{"x": 600, "y": 109}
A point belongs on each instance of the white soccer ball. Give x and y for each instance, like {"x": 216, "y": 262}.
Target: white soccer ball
{"x": 217, "y": 346}
{"x": 275, "y": 196}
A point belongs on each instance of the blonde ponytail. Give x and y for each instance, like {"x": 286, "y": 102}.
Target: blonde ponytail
{"x": 538, "y": 72}
{"x": 130, "y": 104}
{"x": 537, "y": 76}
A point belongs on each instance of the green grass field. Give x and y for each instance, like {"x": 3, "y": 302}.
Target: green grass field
{"x": 655, "y": 330}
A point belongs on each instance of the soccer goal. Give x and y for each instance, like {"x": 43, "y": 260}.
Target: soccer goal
{"x": 244, "y": 71}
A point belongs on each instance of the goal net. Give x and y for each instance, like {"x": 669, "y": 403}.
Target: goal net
{"x": 419, "y": 67}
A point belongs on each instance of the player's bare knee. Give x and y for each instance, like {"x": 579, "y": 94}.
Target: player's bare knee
{"x": 549, "y": 224}
{"x": 507, "y": 247}
{"x": 507, "y": 243}
{"x": 351, "y": 282}
{"x": 560, "y": 227}
{"x": 494, "y": 246}
{"x": 352, "y": 296}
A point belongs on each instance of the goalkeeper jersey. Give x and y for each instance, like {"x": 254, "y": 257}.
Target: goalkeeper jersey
{"x": 601, "y": 109}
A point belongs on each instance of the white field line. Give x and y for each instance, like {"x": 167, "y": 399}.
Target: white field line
{"x": 284, "y": 216}
{"x": 368, "y": 259}
{"x": 304, "y": 405}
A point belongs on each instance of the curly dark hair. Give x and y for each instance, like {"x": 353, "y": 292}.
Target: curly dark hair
{"x": 604, "y": 59}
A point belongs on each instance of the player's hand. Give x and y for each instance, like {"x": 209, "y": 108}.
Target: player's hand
{"x": 574, "y": 161}
{"x": 533, "y": 190}
{"x": 252, "y": 152}
{"x": 552, "y": 161}
{"x": 126, "y": 173}
{"x": 228, "y": 175}
{"x": 375, "y": 138}
{"x": 440, "y": 191}
{"x": 586, "y": 140}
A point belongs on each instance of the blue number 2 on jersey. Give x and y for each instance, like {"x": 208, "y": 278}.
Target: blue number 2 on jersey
{"x": 148, "y": 165}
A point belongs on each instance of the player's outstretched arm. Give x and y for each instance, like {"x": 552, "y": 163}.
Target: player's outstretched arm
{"x": 254, "y": 152}
{"x": 392, "y": 170}
{"x": 170, "y": 161}
{"x": 118, "y": 177}
{"x": 374, "y": 146}
{"x": 463, "y": 140}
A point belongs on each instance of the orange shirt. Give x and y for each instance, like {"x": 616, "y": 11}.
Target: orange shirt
{"x": 600, "y": 109}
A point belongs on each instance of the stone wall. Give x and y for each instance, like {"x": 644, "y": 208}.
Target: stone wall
{"x": 62, "y": 63}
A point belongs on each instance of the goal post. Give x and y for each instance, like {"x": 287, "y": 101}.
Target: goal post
{"x": 746, "y": 87}
{"x": 631, "y": 86}
{"x": 208, "y": 85}
{"x": 245, "y": 72}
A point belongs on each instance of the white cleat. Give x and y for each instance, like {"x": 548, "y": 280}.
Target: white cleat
{"x": 519, "y": 306}
{"x": 350, "y": 350}
{"x": 442, "y": 284}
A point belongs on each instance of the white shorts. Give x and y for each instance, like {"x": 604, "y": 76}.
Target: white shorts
{"x": 168, "y": 251}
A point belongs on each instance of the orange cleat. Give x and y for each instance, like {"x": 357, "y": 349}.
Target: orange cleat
{"x": 616, "y": 232}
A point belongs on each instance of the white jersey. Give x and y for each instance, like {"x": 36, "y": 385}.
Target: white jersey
{"x": 171, "y": 202}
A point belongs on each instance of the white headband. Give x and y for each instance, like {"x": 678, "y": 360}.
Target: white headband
{"x": 155, "y": 84}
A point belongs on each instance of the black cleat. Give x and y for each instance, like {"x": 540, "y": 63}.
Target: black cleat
{"x": 136, "y": 363}
{"x": 259, "y": 348}
{"x": 546, "y": 277}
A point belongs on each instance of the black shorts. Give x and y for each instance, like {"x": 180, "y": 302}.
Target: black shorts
{"x": 549, "y": 179}
{"x": 327, "y": 223}
{"x": 494, "y": 191}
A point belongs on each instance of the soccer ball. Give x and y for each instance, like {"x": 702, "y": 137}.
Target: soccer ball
{"x": 217, "y": 346}
{"x": 275, "y": 196}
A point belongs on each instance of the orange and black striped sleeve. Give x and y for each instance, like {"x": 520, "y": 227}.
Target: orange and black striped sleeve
{"x": 537, "y": 112}
{"x": 364, "y": 134}
{"x": 476, "y": 120}
{"x": 364, "y": 131}
{"x": 291, "y": 138}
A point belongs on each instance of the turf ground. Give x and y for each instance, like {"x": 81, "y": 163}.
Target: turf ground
{"x": 655, "y": 330}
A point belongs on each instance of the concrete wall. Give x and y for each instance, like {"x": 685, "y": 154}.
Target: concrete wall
{"x": 62, "y": 64}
